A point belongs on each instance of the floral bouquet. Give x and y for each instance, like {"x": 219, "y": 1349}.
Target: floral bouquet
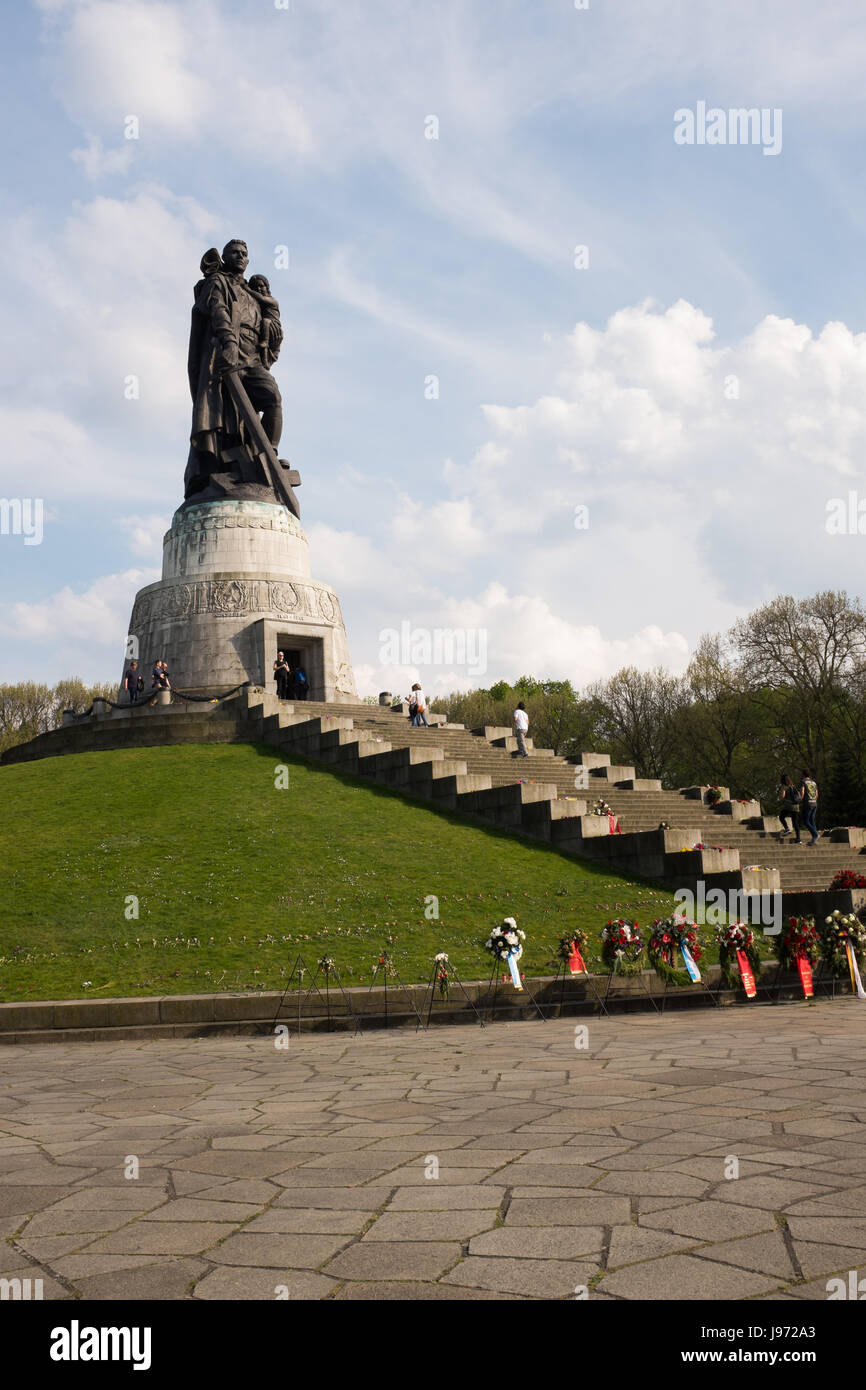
{"x": 847, "y": 878}
{"x": 506, "y": 940}
{"x": 601, "y": 808}
{"x": 838, "y": 930}
{"x": 575, "y": 937}
{"x": 737, "y": 936}
{"x": 572, "y": 950}
{"x": 714, "y": 795}
{"x": 622, "y": 947}
{"x": 799, "y": 939}
{"x": 441, "y": 964}
{"x": 669, "y": 935}
{"x": 505, "y": 943}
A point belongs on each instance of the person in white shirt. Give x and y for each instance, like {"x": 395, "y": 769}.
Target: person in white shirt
{"x": 521, "y": 729}
{"x": 418, "y": 707}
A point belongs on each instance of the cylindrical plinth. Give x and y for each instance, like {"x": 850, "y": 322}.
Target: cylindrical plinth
{"x": 235, "y": 589}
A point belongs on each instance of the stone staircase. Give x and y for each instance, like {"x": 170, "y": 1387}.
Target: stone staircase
{"x": 476, "y": 772}
{"x": 548, "y": 797}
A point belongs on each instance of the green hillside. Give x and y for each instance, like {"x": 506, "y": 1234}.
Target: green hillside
{"x": 234, "y": 877}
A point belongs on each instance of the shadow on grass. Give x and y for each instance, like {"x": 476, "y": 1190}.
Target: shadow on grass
{"x": 499, "y": 833}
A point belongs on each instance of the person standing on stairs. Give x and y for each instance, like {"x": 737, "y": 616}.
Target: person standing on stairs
{"x": 418, "y": 707}
{"x": 790, "y": 798}
{"x": 809, "y": 795}
{"x": 521, "y": 729}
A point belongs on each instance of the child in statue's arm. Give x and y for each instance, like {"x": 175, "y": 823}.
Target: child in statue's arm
{"x": 272, "y": 332}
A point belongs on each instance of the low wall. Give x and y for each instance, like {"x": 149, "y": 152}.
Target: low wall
{"x": 200, "y": 1015}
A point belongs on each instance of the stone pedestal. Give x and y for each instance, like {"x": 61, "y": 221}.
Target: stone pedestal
{"x": 235, "y": 589}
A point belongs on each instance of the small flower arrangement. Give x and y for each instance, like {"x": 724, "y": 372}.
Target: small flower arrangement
{"x": 847, "y": 878}
{"x": 838, "y": 929}
{"x": 442, "y": 979}
{"x": 734, "y": 937}
{"x": 506, "y": 940}
{"x": 799, "y": 939}
{"x": 664, "y": 825}
{"x": 622, "y": 946}
{"x": 601, "y": 808}
{"x": 577, "y": 938}
{"x": 667, "y": 936}
{"x": 713, "y": 796}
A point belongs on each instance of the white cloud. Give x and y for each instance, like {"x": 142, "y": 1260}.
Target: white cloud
{"x": 78, "y": 633}
{"x": 145, "y": 534}
{"x": 98, "y": 162}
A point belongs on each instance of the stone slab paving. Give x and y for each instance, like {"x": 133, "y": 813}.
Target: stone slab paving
{"x": 460, "y": 1163}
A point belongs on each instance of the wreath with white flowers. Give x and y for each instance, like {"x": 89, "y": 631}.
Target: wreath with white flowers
{"x": 506, "y": 940}
{"x": 622, "y": 946}
{"x": 837, "y": 930}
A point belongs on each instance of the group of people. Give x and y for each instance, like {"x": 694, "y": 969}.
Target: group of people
{"x": 292, "y": 683}
{"x": 799, "y": 801}
{"x": 133, "y": 681}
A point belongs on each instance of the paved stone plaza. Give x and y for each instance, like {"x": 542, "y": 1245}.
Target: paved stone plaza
{"x": 558, "y": 1167}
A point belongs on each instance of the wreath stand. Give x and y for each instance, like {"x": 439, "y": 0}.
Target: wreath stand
{"x": 493, "y": 989}
{"x": 562, "y": 975}
{"x": 384, "y": 967}
{"x": 327, "y": 968}
{"x": 739, "y": 989}
{"x": 645, "y": 988}
{"x": 705, "y": 985}
{"x": 820, "y": 982}
{"x": 452, "y": 978}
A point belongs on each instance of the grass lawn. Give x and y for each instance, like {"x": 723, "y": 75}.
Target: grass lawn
{"x": 234, "y": 877}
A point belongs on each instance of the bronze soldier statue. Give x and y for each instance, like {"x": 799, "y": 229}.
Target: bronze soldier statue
{"x": 235, "y": 338}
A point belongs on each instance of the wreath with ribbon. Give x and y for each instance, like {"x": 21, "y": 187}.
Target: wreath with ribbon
{"x": 669, "y": 936}
{"x": 799, "y": 940}
{"x": 506, "y": 940}
{"x": 737, "y": 936}
{"x": 622, "y": 946}
{"x": 567, "y": 943}
{"x": 840, "y": 928}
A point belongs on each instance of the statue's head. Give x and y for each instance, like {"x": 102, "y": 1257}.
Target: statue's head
{"x": 260, "y": 284}
{"x": 236, "y": 257}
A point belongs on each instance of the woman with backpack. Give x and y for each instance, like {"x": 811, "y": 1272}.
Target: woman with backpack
{"x": 790, "y": 798}
{"x": 809, "y": 798}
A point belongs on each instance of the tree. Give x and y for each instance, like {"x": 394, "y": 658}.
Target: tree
{"x": 28, "y": 709}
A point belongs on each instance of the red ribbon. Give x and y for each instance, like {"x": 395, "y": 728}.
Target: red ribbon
{"x": 805, "y": 970}
{"x": 575, "y": 961}
{"x": 613, "y": 823}
{"x": 746, "y": 975}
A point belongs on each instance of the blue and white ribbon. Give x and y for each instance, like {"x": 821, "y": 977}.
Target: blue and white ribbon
{"x": 513, "y": 957}
{"x": 694, "y": 972}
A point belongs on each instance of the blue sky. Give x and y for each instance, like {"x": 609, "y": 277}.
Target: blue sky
{"x": 410, "y": 257}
